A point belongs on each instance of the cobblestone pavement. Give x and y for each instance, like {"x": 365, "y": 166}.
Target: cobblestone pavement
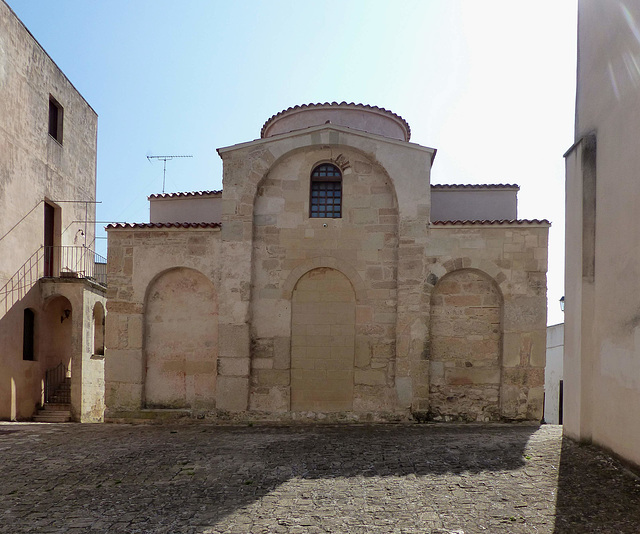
{"x": 200, "y": 478}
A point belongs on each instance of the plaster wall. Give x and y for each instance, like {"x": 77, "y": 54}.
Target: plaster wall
{"x": 58, "y": 339}
{"x": 553, "y": 373}
{"x": 20, "y": 380}
{"x": 604, "y": 369}
{"x": 92, "y": 402}
{"x": 36, "y": 168}
{"x": 452, "y": 204}
{"x": 187, "y": 209}
{"x": 33, "y": 165}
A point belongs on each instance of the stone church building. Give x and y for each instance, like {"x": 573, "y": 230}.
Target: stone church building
{"x": 329, "y": 279}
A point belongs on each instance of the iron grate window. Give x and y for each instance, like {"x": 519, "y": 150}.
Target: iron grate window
{"x": 326, "y": 192}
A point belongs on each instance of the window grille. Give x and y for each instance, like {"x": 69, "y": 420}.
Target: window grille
{"x": 326, "y": 192}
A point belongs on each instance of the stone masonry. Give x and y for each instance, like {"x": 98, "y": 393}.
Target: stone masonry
{"x": 379, "y": 313}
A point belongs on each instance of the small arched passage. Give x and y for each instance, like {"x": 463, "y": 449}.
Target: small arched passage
{"x": 55, "y": 333}
{"x": 466, "y": 347}
{"x": 98, "y": 329}
{"x": 180, "y": 340}
{"x": 323, "y": 342}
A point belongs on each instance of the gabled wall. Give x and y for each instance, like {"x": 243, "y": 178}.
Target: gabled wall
{"x": 340, "y": 317}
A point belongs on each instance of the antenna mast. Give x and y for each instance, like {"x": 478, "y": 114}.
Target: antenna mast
{"x": 165, "y": 159}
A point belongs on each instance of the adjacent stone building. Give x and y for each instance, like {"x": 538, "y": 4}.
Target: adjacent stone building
{"x": 602, "y": 284}
{"x": 329, "y": 279}
{"x": 52, "y": 293}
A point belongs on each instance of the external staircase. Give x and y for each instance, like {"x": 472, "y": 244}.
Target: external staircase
{"x": 57, "y": 399}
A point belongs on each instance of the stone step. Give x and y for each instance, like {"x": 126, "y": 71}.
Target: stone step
{"x": 59, "y": 399}
{"x": 59, "y": 416}
{"x": 56, "y": 407}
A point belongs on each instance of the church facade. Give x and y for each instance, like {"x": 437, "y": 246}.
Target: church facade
{"x": 329, "y": 279}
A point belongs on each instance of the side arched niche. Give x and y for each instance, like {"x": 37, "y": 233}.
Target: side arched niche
{"x": 466, "y": 347}
{"x": 98, "y": 329}
{"x": 180, "y": 340}
{"x": 323, "y": 330}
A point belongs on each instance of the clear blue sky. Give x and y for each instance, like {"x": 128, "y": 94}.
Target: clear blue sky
{"x": 490, "y": 84}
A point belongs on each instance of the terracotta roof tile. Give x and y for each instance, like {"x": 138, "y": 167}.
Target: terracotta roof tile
{"x": 495, "y": 222}
{"x": 162, "y": 225}
{"x": 186, "y": 194}
{"x": 343, "y": 103}
{"x": 475, "y": 186}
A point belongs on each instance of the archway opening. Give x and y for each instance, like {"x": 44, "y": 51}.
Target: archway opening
{"x": 98, "y": 329}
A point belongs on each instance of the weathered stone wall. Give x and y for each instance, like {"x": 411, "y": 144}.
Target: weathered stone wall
{"x": 246, "y": 167}
{"x": 137, "y": 259}
{"x": 514, "y": 257}
{"x": 181, "y": 340}
{"x": 466, "y": 347}
{"x": 361, "y": 245}
{"x": 376, "y": 313}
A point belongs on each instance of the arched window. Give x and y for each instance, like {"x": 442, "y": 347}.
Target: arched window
{"x": 28, "y": 335}
{"x": 326, "y": 192}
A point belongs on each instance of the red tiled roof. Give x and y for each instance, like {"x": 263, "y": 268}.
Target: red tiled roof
{"x": 475, "y": 186}
{"x": 343, "y": 103}
{"x": 187, "y": 194}
{"x": 162, "y": 225}
{"x": 495, "y": 222}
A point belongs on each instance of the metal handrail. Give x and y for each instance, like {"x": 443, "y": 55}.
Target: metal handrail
{"x": 54, "y": 261}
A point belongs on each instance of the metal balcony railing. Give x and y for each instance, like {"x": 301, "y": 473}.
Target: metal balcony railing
{"x": 53, "y": 262}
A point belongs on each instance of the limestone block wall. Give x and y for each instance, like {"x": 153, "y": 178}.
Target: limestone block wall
{"x": 269, "y": 243}
{"x": 172, "y": 273}
{"x": 361, "y": 247}
{"x": 323, "y": 343}
{"x": 466, "y": 347}
{"x": 494, "y": 275}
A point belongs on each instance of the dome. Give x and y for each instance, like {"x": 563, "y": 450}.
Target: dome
{"x": 371, "y": 119}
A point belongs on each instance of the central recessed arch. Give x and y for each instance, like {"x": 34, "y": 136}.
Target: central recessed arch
{"x": 323, "y": 313}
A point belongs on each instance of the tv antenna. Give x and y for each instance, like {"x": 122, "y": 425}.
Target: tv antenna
{"x": 165, "y": 159}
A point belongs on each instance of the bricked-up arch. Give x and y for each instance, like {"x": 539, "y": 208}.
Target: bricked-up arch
{"x": 180, "y": 340}
{"x": 322, "y": 342}
{"x": 466, "y": 347}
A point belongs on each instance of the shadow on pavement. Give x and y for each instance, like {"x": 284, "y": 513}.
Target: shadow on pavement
{"x": 155, "y": 476}
{"x": 596, "y": 493}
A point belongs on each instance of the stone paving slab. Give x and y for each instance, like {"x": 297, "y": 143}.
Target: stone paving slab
{"x": 201, "y": 478}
